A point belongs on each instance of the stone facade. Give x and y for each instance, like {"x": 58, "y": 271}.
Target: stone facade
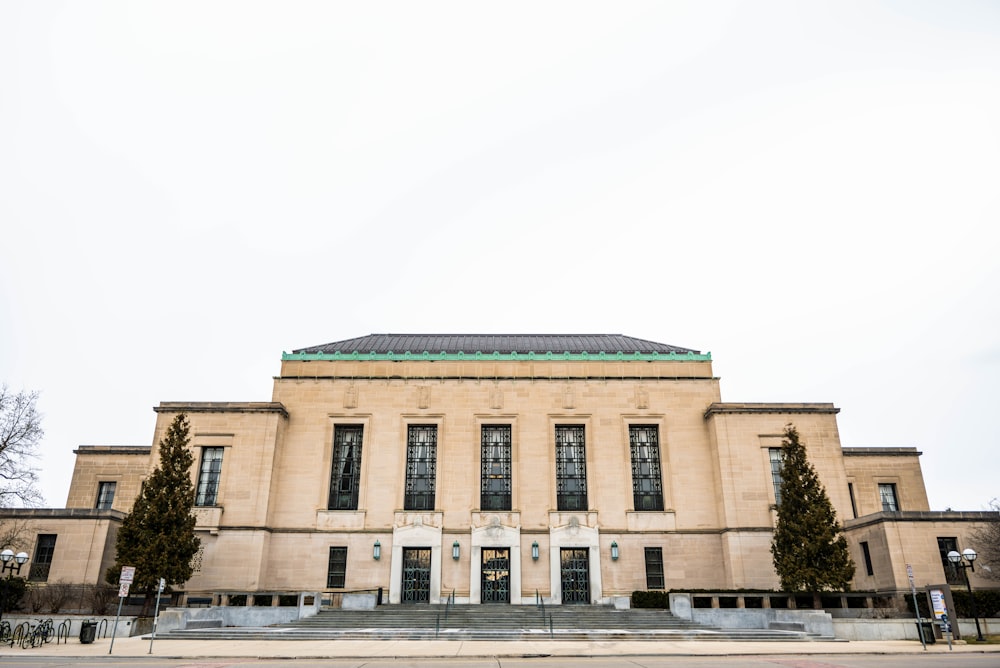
{"x": 270, "y": 524}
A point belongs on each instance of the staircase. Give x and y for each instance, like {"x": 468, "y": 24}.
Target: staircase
{"x": 492, "y": 622}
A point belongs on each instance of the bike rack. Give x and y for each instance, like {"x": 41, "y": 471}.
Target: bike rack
{"x": 103, "y": 624}
{"x": 62, "y": 633}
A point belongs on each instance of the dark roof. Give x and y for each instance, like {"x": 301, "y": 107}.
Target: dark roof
{"x": 490, "y": 343}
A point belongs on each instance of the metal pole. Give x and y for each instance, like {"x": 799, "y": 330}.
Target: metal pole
{"x": 916, "y": 609}
{"x": 156, "y": 615}
{"x": 115, "y": 631}
{"x": 972, "y": 602}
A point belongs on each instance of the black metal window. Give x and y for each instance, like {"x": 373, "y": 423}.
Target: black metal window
{"x": 887, "y": 495}
{"x": 105, "y": 495}
{"x": 336, "y": 572}
{"x": 45, "y": 548}
{"x": 952, "y": 575}
{"x": 421, "y": 467}
{"x": 647, "y": 485}
{"x": 854, "y": 505}
{"x": 654, "y": 568}
{"x": 866, "y": 553}
{"x": 208, "y": 477}
{"x": 495, "y": 475}
{"x": 774, "y": 454}
{"x": 571, "y": 468}
{"x": 345, "y": 477}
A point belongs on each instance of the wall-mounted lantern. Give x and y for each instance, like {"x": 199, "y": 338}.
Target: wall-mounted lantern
{"x": 534, "y": 550}
{"x": 614, "y": 551}
{"x": 377, "y": 551}
{"x": 455, "y": 550}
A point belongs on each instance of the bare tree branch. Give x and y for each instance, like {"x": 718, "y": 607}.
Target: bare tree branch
{"x": 20, "y": 433}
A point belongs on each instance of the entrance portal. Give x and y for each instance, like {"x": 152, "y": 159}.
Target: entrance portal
{"x": 496, "y": 575}
{"x": 416, "y": 575}
{"x": 575, "y": 567}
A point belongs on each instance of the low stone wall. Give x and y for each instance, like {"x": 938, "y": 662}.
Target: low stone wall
{"x": 810, "y": 621}
{"x": 231, "y": 615}
{"x": 127, "y": 626}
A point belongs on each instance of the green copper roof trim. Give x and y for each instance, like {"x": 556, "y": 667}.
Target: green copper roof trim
{"x": 507, "y": 357}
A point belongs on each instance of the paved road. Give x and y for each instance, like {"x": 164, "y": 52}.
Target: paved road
{"x": 962, "y": 660}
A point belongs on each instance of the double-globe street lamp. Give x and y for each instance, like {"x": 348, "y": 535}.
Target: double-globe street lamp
{"x": 956, "y": 559}
{"x": 11, "y": 562}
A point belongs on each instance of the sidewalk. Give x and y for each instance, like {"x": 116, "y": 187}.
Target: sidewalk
{"x": 360, "y": 649}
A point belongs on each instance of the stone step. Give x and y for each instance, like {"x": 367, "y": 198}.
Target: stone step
{"x": 493, "y": 623}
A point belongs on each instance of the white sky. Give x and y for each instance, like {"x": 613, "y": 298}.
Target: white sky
{"x": 807, "y": 190}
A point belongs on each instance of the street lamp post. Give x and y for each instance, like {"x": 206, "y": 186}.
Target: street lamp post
{"x": 11, "y": 562}
{"x": 969, "y": 555}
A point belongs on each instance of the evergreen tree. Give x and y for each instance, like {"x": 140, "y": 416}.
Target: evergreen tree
{"x": 809, "y": 548}
{"x": 157, "y": 536}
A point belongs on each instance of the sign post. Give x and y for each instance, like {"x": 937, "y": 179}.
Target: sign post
{"x": 916, "y": 608}
{"x": 124, "y": 582}
{"x": 156, "y": 613}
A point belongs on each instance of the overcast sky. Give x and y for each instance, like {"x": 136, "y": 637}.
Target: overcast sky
{"x": 808, "y": 190}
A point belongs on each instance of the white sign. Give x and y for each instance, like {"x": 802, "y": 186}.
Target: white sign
{"x": 937, "y": 602}
{"x": 123, "y": 589}
{"x": 909, "y": 573}
{"x": 163, "y": 585}
{"x": 128, "y": 575}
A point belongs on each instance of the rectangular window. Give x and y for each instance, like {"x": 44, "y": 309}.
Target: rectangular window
{"x": 496, "y": 465}
{"x": 421, "y": 467}
{"x": 45, "y": 548}
{"x": 571, "y": 468}
{"x": 952, "y": 575}
{"x": 854, "y": 506}
{"x": 774, "y": 454}
{"x": 868, "y": 558}
{"x": 345, "y": 477}
{"x": 336, "y": 572}
{"x": 887, "y": 494}
{"x": 208, "y": 477}
{"x": 105, "y": 495}
{"x": 647, "y": 486}
{"x": 654, "y": 568}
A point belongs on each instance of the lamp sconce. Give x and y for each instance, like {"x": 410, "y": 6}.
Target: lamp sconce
{"x": 614, "y": 551}
{"x": 534, "y": 550}
{"x": 18, "y": 560}
{"x": 377, "y": 551}
{"x": 455, "y": 550}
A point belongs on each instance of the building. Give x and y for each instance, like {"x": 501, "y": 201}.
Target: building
{"x": 498, "y": 469}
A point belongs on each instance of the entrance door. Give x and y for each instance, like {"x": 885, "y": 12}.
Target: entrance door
{"x": 575, "y": 567}
{"x": 416, "y": 575}
{"x": 496, "y": 575}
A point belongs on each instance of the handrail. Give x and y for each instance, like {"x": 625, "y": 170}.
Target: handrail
{"x": 449, "y": 602}
{"x": 551, "y": 635}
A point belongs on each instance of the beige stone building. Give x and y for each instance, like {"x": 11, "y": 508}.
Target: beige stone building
{"x": 498, "y": 469}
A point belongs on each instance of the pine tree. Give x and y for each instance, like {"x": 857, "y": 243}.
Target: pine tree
{"x": 157, "y": 536}
{"x": 809, "y": 548}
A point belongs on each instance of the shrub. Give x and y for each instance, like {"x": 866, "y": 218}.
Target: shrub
{"x": 651, "y": 599}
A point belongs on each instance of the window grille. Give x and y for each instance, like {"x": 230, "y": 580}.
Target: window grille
{"x": 345, "y": 476}
{"x": 336, "y": 572}
{"x": 647, "y": 485}
{"x": 421, "y": 467}
{"x": 45, "y": 548}
{"x": 774, "y": 454}
{"x": 207, "y": 493}
{"x": 887, "y": 494}
{"x": 105, "y": 495}
{"x": 496, "y": 467}
{"x": 571, "y": 468}
{"x": 654, "y": 568}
